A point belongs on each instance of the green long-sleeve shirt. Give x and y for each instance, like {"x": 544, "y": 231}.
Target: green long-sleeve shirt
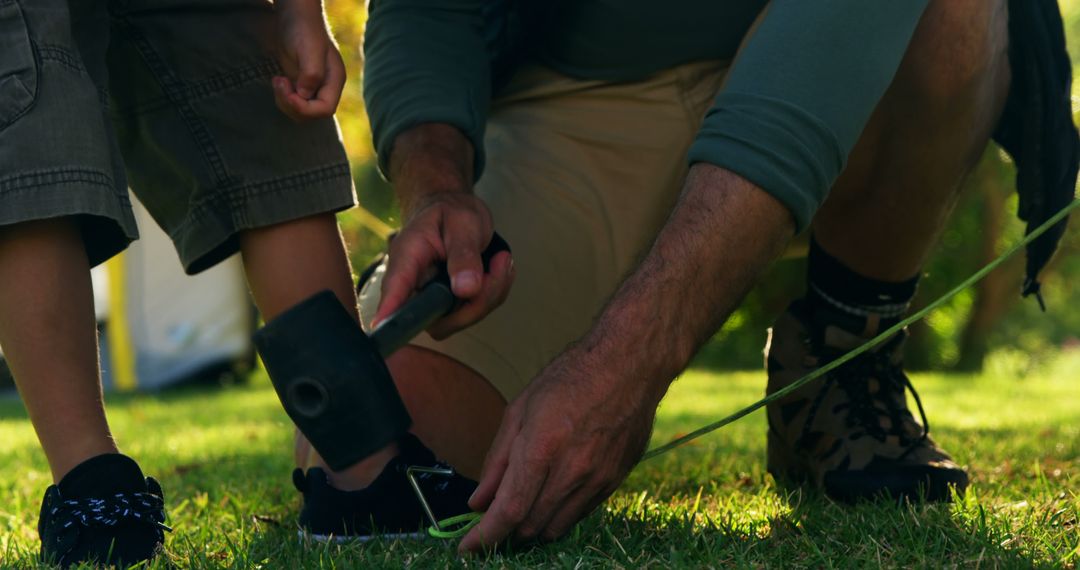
{"x": 793, "y": 106}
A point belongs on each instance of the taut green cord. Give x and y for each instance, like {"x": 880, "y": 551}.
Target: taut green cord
{"x": 469, "y": 520}
{"x": 869, "y": 344}
{"x": 457, "y": 526}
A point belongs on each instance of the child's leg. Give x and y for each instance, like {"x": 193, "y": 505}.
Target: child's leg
{"x": 48, "y": 332}
{"x": 287, "y": 263}
{"x": 63, "y": 208}
{"x": 221, "y": 168}
{"x": 49, "y": 335}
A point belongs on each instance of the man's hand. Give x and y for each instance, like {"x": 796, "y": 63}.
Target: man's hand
{"x": 565, "y": 445}
{"x": 431, "y": 169}
{"x": 314, "y": 71}
{"x": 454, "y": 227}
{"x": 571, "y": 437}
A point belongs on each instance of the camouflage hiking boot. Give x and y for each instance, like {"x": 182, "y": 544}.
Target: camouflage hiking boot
{"x": 850, "y": 432}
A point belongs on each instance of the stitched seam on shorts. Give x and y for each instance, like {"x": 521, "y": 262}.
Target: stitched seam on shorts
{"x": 213, "y": 85}
{"x": 231, "y": 80}
{"x": 67, "y": 58}
{"x": 291, "y": 182}
{"x": 35, "y": 179}
{"x": 61, "y": 55}
{"x": 173, "y": 89}
{"x": 235, "y": 196}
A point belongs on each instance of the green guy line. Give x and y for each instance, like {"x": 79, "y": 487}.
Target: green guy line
{"x": 869, "y": 344}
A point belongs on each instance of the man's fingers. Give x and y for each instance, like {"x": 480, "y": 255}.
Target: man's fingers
{"x": 573, "y": 468}
{"x": 464, "y": 242}
{"x": 521, "y": 484}
{"x": 493, "y": 292}
{"x": 406, "y": 265}
{"x": 455, "y": 228}
{"x": 579, "y": 505}
{"x": 556, "y": 492}
{"x": 502, "y": 274}
{"x": 498, "y": 457}
{"x": 397, "y": 287}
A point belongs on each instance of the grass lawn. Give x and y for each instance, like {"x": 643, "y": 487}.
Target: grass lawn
{"x": 222, "y": 457}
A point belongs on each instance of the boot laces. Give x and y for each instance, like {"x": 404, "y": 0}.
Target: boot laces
{"x": 864, "y": 408}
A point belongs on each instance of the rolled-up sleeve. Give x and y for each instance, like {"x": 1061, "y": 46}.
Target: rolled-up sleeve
{"x": 426, "y": 61}
{"x": 801, "y": 92}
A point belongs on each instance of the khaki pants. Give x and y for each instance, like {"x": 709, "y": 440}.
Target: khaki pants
{"x": 581, "y": 176}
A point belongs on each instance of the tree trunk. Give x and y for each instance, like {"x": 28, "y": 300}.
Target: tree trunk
{"x": 1000, "y": 288}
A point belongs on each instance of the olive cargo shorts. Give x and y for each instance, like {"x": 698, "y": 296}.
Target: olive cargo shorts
{"x": 170, "y": 96}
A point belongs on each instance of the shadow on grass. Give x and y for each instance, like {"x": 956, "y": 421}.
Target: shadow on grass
{"x": 246, "y": 498}
{"x": 814, "y": 532}
{"x": 752, "y": 524}
{"x": 244, "y": 494}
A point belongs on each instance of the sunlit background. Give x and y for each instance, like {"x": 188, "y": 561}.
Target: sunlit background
{"x": 223, "y": 453}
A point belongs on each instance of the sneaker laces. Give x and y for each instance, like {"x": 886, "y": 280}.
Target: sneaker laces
{"x": 110, "y": 511}
{"x": 865, "y": 408}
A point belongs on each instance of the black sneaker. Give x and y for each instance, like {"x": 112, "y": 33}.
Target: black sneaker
{"x": 391, "y": 507}
{"x": 103, "y": 511}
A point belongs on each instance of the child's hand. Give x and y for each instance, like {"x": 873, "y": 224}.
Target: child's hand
{"x": 314, "y": 70}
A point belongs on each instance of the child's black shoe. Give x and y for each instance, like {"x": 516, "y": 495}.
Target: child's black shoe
{"x": 102, "y": 511}
{"x": 391, "y": 507}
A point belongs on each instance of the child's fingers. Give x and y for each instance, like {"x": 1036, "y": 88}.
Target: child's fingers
{"x": 328, "y": 95}
{"x": 324, "y": 96}
{"x": 296, "y": 107}
{"x": 303, "y": 109}
{"x": 312, "y": 72}
{"x": 283, "y": 94}
{"x": 330, "y": 92}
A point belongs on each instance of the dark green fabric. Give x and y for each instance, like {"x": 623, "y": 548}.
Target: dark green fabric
{"x": 170, "y": 97}
{"x": 1037, "y": 127}
{"x": 793, "y": 107}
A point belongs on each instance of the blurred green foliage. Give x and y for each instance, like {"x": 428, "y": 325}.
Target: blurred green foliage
{"x": 976, "y": 323}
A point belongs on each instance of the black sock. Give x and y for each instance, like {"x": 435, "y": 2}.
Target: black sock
{"x": 841, "y": 296}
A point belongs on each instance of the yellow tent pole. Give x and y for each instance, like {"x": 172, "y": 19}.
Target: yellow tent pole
{"x": 117, "y": 330}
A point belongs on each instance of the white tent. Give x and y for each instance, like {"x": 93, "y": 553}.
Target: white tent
{"x": 163, "y": 326}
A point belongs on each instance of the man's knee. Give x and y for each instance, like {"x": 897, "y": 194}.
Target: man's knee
{"x": 959, "y": 52}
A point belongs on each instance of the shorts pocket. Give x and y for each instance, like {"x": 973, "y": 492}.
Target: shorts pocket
{"x": 18, "y": 69}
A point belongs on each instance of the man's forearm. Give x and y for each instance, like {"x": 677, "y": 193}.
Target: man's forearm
{"x": 430, "y": 158}
{"x": 722, "y": 234}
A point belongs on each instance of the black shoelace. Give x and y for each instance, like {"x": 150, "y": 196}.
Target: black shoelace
{"x": 865, "y": 409}
{"x": 109, "y": 511}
